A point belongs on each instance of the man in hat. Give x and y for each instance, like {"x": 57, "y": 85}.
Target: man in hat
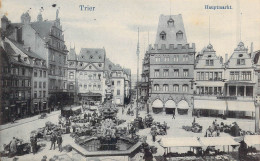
{"x": 53, "y": 140}
{"x": 44, "y": 158}
{"x": 59, "y": 142}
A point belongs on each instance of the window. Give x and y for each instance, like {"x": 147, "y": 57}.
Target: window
{"x": 44, "y": 84}
{"x": 80, "y": 85}
{"x": 44, "y": 74}
{"x": 165, "y": 72}
{"x": 157, "y": 59}
{"x": 185, "y": 72}
{"x": 209, "y": 62}
{"x": 176, "y": 72}
{"x": 40, "y": 84}
{"x": 170, "y": 22}
{"x": 167, "y": 59}
{"x": 90, "y": 77}
{"x": 165, "y": 87}
{"x": 206, "y": 75}
{"x": 156, "y": 73}
{"x": 176, "y": 58}
{"x": 91, "y": 57}
{"x": 23, "y": 83}
{"x": 202, "y": 76}
{"x": 81, "y": 64}
{"x": 40, "y": 73}
{"x": 35, "y": 73}
{"x": 185, "y": 58}
{"x": 99, "y": 87}
{"x": 52, "y": 56}
{"x": 118, "y": 83}
{"x": 118, "y": 92}
{"x": 179, "y": 35}
{"x": 71, "y": 86}
{"x": 90, "y": 67}
{"x": 198, "y": 75}
{"x": 100, "y": 65}
{"x": 23, "y": 71}
{"x": 44, "y": 94}
{"x": 71, "y": 75}
{"x": 99, "y": 57}
{"x": 85, "y": 86}
{"x": 210, "y": 75}
{"x": 245, "y": 75}
{"x": 94, "y": 87}
{"x": 185, "y": 88}
{"x": 35, "y": 84}
{"x": 156, "y": 87}
{"x": 113, "y": 83}
{"x": 94, "y": 76}
{"x": 176, "y": 88}
{"x": 40, "y": 94}
{"x": 163, "y": 35}
{"x": 35, "y": 94}
{"x": 240, "y": 61}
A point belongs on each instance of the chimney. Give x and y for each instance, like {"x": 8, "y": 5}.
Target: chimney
{"x": 226, "y": 58}
{"x": 4, "y": 23}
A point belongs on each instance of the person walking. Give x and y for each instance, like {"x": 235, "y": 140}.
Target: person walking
{"x": 59, "y": 142}
{"x": 13, "y": 146}
{"x": 173, "y": 115}
{"x": 33, "y": 140}
{"x": 53, "y": 140}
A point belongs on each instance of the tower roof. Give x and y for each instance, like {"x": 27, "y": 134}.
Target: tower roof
{"x": 173, "y": 28}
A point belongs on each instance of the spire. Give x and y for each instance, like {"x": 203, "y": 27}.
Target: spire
{"x": 137, "y": 50}
{"x": 39, "y": 17}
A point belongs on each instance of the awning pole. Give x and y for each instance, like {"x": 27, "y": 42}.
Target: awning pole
{"x": 228, "y": 149}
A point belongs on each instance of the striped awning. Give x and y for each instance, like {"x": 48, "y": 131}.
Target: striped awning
{"x": 241, "y": 106}
{"x": 210, "y": 104}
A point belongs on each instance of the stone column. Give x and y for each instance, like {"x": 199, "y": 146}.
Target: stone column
{"x": 227, "y": 90}
{"x": 236, "y": 90}
{"x": 244, "y": 91}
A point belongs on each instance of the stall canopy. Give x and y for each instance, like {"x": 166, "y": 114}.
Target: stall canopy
{"x": 179, "y": 142}
{"x": 210, "y": 104}
{"x": 252, "y": 140}
{"x": 241, "y": 106}
{"x": 217, "y": 141}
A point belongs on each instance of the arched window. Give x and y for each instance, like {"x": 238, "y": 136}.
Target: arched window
{"x": 185, "y": 88}
{"x": 85, "y": 86}
{"x": 156, "y": 87}
{"x": 165, "y": 87}
{"x": 163, "y": 35}
{"x": 176, "y": 88}
{"x": 170, "y": 22}
{"x": 71, "y": 86}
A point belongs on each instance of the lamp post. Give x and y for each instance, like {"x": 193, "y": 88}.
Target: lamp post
{"x": 137, "y": 82}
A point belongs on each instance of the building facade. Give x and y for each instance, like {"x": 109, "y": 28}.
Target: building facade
{"x": 169, "y": 68}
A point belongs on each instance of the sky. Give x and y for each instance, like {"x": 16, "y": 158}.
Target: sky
{"x": 114, "y": 23}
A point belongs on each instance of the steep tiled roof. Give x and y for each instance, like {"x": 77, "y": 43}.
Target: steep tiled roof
{"x": 171, "y": 25}
{"x": 111, "y": 66}
{"x": 72, "y": 54}
{"x": 22, "y": 48}
{"x": 42, "y": 27}
{"x": 92, "y": 55}
{"x": 127, "y": 71}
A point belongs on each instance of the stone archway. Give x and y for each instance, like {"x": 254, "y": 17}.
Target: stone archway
{"x": 157, "y": 106}
{"x": 170, "y": 107}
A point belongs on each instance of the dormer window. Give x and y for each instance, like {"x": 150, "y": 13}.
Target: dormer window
{"x": 81, "y": 64}
{"x": 163, "y": 35}
{"x": 240, "y": 55}
{"x": 100, "y": 65}
{"x": 91, "y": 57}
{"x": 82, "y": 56}
{"x": 209, "y": 56}
{"x": 110, "y": 67}
{"x": 179, "y": 35}
{"x": 90, "y": 67}
{"x": 25, "y": 59}
{"x": 99, "y": 57}
{"x": 170, "y": 22}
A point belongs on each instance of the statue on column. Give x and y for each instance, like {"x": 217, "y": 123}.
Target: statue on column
{"x": 57, "y": 13}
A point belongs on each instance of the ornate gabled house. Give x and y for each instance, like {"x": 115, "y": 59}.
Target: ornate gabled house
{"x": 90, "y": 75}
{"x": 170, "y": 65}
{"x": 209, "y": 84}
{"x": 240, "y": 85}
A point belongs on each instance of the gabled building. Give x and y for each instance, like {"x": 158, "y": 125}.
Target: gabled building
{"x": 241, "y": 83}
{"x": 209, "y": 76}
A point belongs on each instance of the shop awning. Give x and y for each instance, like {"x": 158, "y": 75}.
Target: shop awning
{"x": 217, "y": 141}
{"x": 210, "y": 104}
{"x": 157, "y": 104}
{"x": 90, "y": 94}
{"x": 170, "y": 104}
{"x": 183, "y": 104}
{"x": 179, "y": 142}
{"x": 241, "y": 106}
{"x": 252, "y": 140}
